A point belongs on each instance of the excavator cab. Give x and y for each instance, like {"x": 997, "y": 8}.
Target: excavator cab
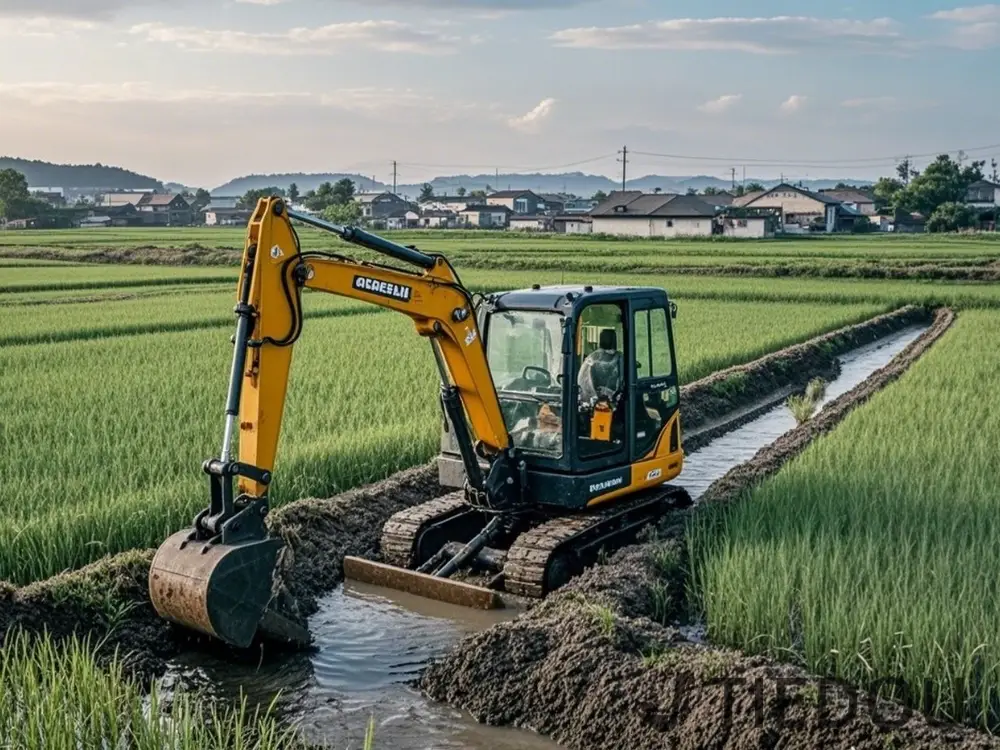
{"x": 587, "y": 383}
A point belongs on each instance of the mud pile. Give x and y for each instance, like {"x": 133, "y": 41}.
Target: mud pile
{"x": 592, "y": 666}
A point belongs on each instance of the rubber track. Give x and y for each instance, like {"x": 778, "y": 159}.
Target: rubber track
{"x": 401, "y": 530}
{"x": 528, "y": 558}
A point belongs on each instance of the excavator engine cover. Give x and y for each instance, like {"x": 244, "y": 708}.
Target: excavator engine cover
{"x": 221, "y": 590}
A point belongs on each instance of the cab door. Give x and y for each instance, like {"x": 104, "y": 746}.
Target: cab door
{"x": 655, "y": 393}
{"x": 599, "y": 405}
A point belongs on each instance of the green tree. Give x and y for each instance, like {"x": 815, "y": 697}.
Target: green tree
{"x": 344, "y": 213}
{"x": 426, "y": 193}
{"x": 945, "y": 180}
{"x": 15, "y": 198}
{"x": 887, "y": 192}
{"x": 951, "y": 217}
{"x": 905, "y": 171}
{"x": 478, "y": 194}
{"x": 712, "y": 191}
{"x": 460, "y": 192}
{"x": 251, "y": 197}
{"x": 343, "y": 192}
{"x": 755, "y": 187}
{"x": 293, "y": 193}
{"x": 690, "y": 191}
{"x": 600, "y": 196}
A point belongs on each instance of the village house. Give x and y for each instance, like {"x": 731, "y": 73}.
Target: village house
{"x": 518, "y": 201}
{"x": 165, "y": 210}
{"x": 225, "y": 215}
{"x": 384, "y": 205}
{"x": 522, "y": 223}
{"x": 801, "y": 210}
{"x": 983, "y": 194}
{"x": 555, "y": 203}
{"x": 632, "y": 213}
{"x": 438, "y": 219}
{"x": 573, "y": 224}
{"x": 449, "y": 202}
{"x": 749, "y": 222}
{"x": 485, "y": 217}
{"x": 860, "y": 201}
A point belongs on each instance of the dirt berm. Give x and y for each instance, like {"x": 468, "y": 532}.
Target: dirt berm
{"x": 108, "y": 600}
{"x": 592, "y": 667}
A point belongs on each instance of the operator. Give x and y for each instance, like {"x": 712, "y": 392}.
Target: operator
{"x": 601, "y": 372}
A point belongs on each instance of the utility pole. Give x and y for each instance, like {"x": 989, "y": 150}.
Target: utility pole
{"x": 394, "y": 177}
{"x": 624, "y": 161}
{"x": 733, "y": 170}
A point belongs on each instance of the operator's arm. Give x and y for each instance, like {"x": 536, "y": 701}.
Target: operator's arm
{"x": 440, "y": 307}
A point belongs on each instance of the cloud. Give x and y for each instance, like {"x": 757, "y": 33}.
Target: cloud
{"x": 793, "y": 103}
{"x": 100, "y": 10}
{"x": 775, "y": 35}
{"x": 43, "y": 27}
{"x": 361, "y": 100}
{"x": 722, "y": 104}
{"x": 971, "y": 14}
{"x": 974, "y": 27}
{"x": 531, "y": 122}
{"x": 263, "y": 2}
{"x": 387, "y": 36}
{"x": 870, "y": 102}
{"x": 498, "y": 6}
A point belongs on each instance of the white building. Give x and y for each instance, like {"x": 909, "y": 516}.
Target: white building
{"x": 632, "y": 213}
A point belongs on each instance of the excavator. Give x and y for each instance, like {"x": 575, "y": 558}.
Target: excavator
{"x": 560, "y": 422}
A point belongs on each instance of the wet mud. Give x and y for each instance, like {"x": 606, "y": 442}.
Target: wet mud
{"x": 596, "y": 665}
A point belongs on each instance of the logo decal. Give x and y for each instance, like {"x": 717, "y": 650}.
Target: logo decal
{"x": 383, "y": 288}
{"x": 276, "y": 252}
{"x": 470, "y": 337}
{"x": 654, "y": 474}
{"x": 607, "y": 485}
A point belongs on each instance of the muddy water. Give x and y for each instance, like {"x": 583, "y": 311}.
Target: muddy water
{"x": 715, "y": 460}
{"x": 372, "y": 643}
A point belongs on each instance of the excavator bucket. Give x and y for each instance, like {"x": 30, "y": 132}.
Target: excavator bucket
{"x": 222, "y": 590}
{"x": 421, "y": 584}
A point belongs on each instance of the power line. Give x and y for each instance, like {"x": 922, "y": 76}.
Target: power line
{"x": 812, "y": 162}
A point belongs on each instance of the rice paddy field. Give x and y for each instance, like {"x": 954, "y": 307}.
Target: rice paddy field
{"x": 870, "y": 557}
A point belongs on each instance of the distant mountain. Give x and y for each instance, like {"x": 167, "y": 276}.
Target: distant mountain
{"x": 576, "y": 183}
{"x": 304, "y": 182}
{"x": 79, "y": 176}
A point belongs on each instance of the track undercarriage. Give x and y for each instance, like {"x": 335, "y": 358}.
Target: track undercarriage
{"x": 526, "y": 553}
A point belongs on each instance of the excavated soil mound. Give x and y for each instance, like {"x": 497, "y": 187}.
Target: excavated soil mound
{"x": 591, "y": 667}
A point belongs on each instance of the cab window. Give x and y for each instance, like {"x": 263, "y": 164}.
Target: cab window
{"x": 654, "y": 405}
{"x": 524, "y": 349}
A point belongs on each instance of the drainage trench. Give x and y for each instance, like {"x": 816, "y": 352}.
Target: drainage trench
{"x": 372, "y": 644}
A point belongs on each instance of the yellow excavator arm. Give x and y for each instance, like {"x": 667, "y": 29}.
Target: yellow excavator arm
{"x": 433, "y": 298}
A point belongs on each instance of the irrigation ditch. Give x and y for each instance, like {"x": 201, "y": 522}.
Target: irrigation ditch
{"x": 592, "y": 665}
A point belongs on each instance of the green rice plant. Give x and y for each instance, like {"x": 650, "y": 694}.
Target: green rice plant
{"x": 801, "y": 406}
{"x": 102, "y": 276}
{"x": 816, "y": 390}
{"x": 869, "y": 558}
{"x": 56, "y": 697}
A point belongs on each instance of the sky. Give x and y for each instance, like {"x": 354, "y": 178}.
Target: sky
{"x": 200, "y": 91}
